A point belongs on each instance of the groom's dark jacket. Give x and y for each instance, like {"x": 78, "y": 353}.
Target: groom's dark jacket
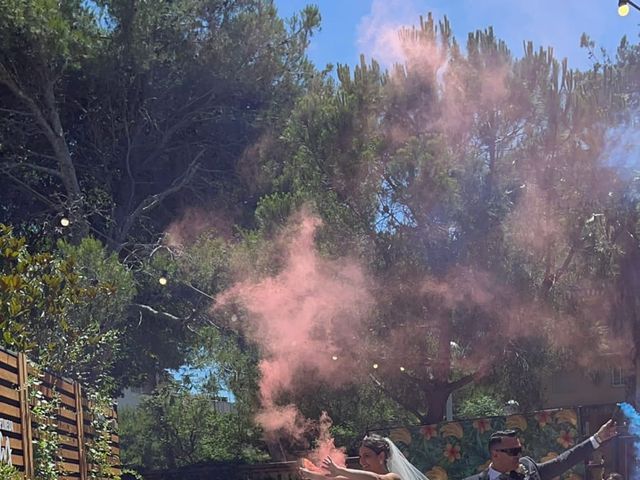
{"x": 551, "y": 469}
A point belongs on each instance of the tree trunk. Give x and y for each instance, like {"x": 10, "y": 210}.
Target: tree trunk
{"x": 437, "y": 405}
{"x": 75, "y": 201}
{"x": 48, "y": 120}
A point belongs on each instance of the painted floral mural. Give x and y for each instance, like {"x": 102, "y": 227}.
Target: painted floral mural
{"x": 455, "y": 450}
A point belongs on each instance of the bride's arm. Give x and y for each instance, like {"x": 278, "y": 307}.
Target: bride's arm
{"x": 353, "y": 474}
{"x": 310, "y": 475}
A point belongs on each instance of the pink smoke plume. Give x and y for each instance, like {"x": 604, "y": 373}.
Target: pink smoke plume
{"x": 304, "y": 320}
{"x": 325, "y": 446}
{"x": 423, "y": 55}
{"x": 535, "y": 223}
{"x": 378, "y": 31}
{"x": 194, "y": 222}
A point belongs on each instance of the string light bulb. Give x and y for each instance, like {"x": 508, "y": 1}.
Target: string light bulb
{"x": 623, "y": 8}
{"x": 163, "y": 280}
{"x": 65, "y": 222}
{"x": 334, "y": 358}
{"x": 402, "y": 369}
{"x": 375, "y": 366}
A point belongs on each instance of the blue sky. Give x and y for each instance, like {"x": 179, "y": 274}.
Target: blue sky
{"x": 347, "y": 24}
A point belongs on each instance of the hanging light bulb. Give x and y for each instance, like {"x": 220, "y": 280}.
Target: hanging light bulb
{"x": 402, "y": 369}
{"x": 623, "y": 8}
{"x": 334, "y": 358}
{"x": 163, "y": 280}
{"x": 375, "y": 366}
{"x": 65, "y": 222}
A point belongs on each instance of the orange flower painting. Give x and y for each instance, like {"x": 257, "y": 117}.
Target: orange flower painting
{"x": 429, "y": 431}
{"x": 482, "y": 425}
{"x": 452, "y": 452}
{"x": 544, "y": 418}
{"x": 565, "y": 439}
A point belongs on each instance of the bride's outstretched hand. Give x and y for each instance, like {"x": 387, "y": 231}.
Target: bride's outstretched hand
{"x": 309, "y": 475}
{"x": 331, "y": 467}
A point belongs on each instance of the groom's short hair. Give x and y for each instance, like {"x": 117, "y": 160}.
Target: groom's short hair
{"x": 496, "y": 437}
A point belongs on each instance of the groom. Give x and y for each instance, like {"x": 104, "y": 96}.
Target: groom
{"x": 505, "y": 449}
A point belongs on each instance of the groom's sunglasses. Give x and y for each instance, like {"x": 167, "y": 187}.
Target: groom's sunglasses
{"x": 512, "y": 452}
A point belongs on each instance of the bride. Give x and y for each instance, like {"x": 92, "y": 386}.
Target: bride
{"x": 380, "y": 460}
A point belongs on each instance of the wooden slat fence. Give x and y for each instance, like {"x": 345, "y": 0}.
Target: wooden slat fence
{"x": 73, "y": 420}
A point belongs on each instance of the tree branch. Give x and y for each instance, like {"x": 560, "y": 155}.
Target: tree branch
{"x": 154, "y": 200}
{"x": 155, "y": 313}
{"x": 49, "y": 171}
{"x": 461, "y": 382}
{"x": 550, "y": 278}
{"x": 6, "y": 79}
{"x": 567, "y": 261}
{"x": 15, "y": 112}
{"x": 35, "y": 193}
{"x": 398, "y": 399}
{"x": 43, "y": 155}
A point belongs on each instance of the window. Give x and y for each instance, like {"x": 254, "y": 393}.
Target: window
{"x": 618, "y": 378}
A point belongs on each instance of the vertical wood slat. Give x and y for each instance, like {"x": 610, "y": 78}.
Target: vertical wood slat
{"x": 80, "y": 427}
{"x": 25, "y": 416}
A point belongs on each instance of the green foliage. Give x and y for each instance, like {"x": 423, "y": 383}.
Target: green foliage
{"x": 354, "y": 410}
{"x": 64, "y": 307}
{"x": 48, "y": 461}
{"x": 169, "y": 318}
{"x": 96, "y": 329}
{"x": 45, "y": 32}
{"x": 99, "y": 456}
{"x": 275, "y": 210}
{"x": 36, "y": 290}
{"x": 46, "y": 446}
{"x": 180, "y": 426}
{"x": 9, "y": 472}
{"x": 477, "y": 403}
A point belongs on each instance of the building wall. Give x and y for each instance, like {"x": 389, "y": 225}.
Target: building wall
{"x": 585, "y": 387}
{"x": 133, "y": 397}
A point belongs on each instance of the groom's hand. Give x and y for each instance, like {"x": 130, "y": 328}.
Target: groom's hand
{"x": 606, "y": 432}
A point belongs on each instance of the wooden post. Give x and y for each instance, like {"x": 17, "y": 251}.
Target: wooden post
{"x": 25, "y": 416}
{"x": 80, "y": 426}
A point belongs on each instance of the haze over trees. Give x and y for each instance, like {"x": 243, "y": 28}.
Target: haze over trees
{"x": 486, "y": 195}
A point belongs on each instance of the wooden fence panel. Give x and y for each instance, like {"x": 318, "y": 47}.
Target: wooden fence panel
{"x": 72, "y": 419}
{"x": 80, "y": 427}
{"x": 25, "y": 415}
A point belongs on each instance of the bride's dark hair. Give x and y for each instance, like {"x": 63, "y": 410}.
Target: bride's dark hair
{"x": 376, "y": 443}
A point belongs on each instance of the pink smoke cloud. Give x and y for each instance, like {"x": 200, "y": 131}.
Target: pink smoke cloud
{"x": 534, "y": 224}
{"x": 303, "y": 319}
{"x": 325, "y": 444}
{"x": 194, "y": 222}
{"x": 378, "y": 31}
